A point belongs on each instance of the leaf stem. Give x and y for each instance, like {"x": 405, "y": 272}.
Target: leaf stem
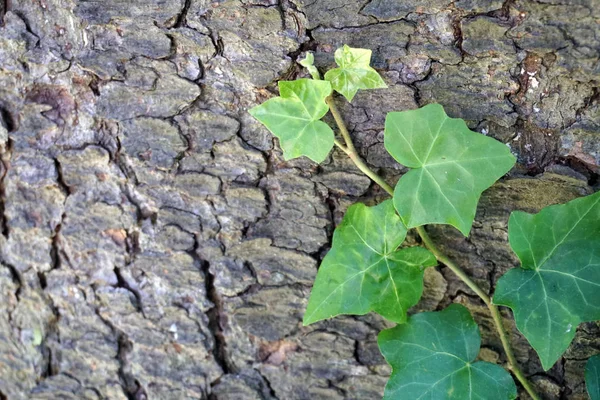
{"x": 512, "y": 361}
{"x": 341, "y": 146}
{"x": 444, "y": 259}
{"x": 350, "y": 150}
{"x": 341, "y": 124}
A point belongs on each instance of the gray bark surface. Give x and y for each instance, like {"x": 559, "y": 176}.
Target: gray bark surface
{"x": 155, "y": 245}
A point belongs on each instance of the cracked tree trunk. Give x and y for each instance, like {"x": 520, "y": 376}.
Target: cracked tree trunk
{"x": 154, "y": 244}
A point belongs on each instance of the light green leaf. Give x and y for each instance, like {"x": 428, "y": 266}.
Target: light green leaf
{"x": 451, "y": 166}
{"x": 309, "y": 63}
{"x": 432, "y": 358}
{"x": 364, "y": 270}
{"x": 592, "y": 377}
{"x": 295, "y": 118}
{"x": 354, "y": 72}
{"x": 558, "y": 284}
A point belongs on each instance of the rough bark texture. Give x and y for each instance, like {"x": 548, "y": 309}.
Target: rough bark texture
{"x": 154, "y": 244}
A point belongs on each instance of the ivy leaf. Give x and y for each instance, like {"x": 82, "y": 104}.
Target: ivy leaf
{"x": 295, "y": 118}
{"x": 432, "y": 358}
{"x": 354, "y": 72}
{"x": 451, "y": 166}
{"x": 592, "y": 377}
{"x": 558, "y": 284}
{"x": 364, "y": 270}
{"x": 308, "y": 62}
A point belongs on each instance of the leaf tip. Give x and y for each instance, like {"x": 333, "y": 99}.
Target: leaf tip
{"x": 465, "y": 230}
{"x": 434, "y": 106}
{"x": 547, "y": 363}
{"x": 308, "y": 60}
{"x": 252, "y": 111}
{"x": 307, "y": 319}
{"x": 310, "y": 319}
{"x": 348, "y": 96}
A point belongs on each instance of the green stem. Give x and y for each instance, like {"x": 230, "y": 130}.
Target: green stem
{"x": 350, "y": 150}
{"x": 341, "y": 124}
{"x": 341, "y": 146}
{"x": 450, "y": 264}
{"x": 512, "y": 361}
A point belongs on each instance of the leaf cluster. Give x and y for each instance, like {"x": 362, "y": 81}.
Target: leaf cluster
{"x": 369, "y": 268}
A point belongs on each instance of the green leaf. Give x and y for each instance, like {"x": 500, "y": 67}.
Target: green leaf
{"x": 592, "y": 377}
{"x": 309, "y": 63}
{"x": 558, "y": 284}
{"x": 295, "y": 118}
{"x": 354, "y": 72}
{"x": 451, "y": 166}
{"x": 364, "y": 270}
{"x": 432, "y": 358}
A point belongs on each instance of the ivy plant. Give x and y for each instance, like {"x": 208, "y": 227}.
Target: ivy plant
{"x": 370, "y": 268}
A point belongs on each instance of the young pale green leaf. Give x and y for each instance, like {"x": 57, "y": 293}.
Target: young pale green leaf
{"x": 309, "y": 63}
{"x": 364, "y": 270}
{"x": 432, "y": 358}
{"x": 592, "y": 377}
{"x": 558, "y": 284}
{"x": 354, "y": 72}
{"x": 295, "y": 118}
{"x": 451, "y": 166}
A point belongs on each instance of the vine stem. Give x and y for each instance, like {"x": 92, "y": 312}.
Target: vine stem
{"x": 350, "y": 150}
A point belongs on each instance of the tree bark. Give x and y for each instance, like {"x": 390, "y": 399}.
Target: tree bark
{"x": 155, "y": 245}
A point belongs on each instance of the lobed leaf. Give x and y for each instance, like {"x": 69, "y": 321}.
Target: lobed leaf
{"x": 364, "y": 270}
{"x": 558, "y": 284}
{"x": 432, "y": 358}
{"x": 450, "y": 166}
{"x": 592, "y": 377}
{"x": 295, "y": 118}
{"x": 354, "y": 72}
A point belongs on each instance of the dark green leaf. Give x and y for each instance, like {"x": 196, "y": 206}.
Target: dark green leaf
{"x": 558, "y": 284}
{"x": 364, "y": 270}
{"x": 432, "y": 358}
{"x": 354, "y": 72}
{"x": 592, "y": 377}
{"x": 295, "y": 118}
{"x": 451, "y": 166}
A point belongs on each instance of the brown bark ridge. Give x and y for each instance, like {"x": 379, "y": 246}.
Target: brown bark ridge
{"x": 155, "y": 245}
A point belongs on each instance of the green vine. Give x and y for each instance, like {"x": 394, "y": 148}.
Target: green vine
{"x": 367, "y": 269}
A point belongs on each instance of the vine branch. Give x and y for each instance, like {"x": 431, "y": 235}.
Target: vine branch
{"x": 350, "y": 150}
